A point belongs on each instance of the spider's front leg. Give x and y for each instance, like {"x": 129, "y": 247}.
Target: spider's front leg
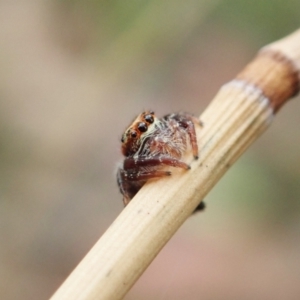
{"x": 126, "y": 189}
{"x": 130, "y": 181}
{"x": 152, "y": 161}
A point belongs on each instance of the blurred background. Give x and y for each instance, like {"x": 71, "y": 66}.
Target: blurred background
{"x": 73, "y": 75}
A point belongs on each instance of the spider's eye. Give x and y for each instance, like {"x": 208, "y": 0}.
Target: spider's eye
{"x": 149, "y": 119}
{"x": 133, "y": 134}
{"x": 142, "y": 127}
{"x": 122, "y": 139}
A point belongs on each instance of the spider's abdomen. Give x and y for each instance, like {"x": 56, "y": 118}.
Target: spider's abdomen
{"x": 172, "y": 141}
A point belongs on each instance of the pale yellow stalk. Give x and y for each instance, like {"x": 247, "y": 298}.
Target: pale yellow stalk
{"x": 239, "y": 113}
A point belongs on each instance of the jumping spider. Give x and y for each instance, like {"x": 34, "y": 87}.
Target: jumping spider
{"x": 149, "y": 144}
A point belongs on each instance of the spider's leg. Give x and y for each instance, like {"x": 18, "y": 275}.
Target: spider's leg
{"x": 143, "y": 175}
{"x": 131, "y": 181}
{"x": 124, "y": 186}
{"x": 188, "y": 124}
{"x": 148, "y": 161}
{"x": 200, "y": 207}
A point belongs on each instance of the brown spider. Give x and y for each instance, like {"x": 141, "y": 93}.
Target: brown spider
{"x": 149, "y": 144}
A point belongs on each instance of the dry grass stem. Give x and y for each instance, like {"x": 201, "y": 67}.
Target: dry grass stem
{"x": 239, "y": 113}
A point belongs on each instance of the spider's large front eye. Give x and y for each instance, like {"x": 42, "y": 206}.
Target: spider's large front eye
{"x": 149, "y": 119}
{"x": 142, "y": 127}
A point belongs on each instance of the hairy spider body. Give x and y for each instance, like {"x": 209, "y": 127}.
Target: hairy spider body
{"x": 150, "y": 144}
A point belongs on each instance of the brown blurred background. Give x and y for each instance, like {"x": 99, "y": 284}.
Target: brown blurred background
{"x": 73, "y": 74}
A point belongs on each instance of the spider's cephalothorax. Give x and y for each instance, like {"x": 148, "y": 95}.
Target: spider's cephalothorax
{"x": 149, "y": 144}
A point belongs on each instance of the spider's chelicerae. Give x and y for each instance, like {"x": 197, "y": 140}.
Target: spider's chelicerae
{"x": 150, "y": 144}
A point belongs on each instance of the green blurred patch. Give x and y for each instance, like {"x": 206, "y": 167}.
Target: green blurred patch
{"x": 256, "y": 190}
